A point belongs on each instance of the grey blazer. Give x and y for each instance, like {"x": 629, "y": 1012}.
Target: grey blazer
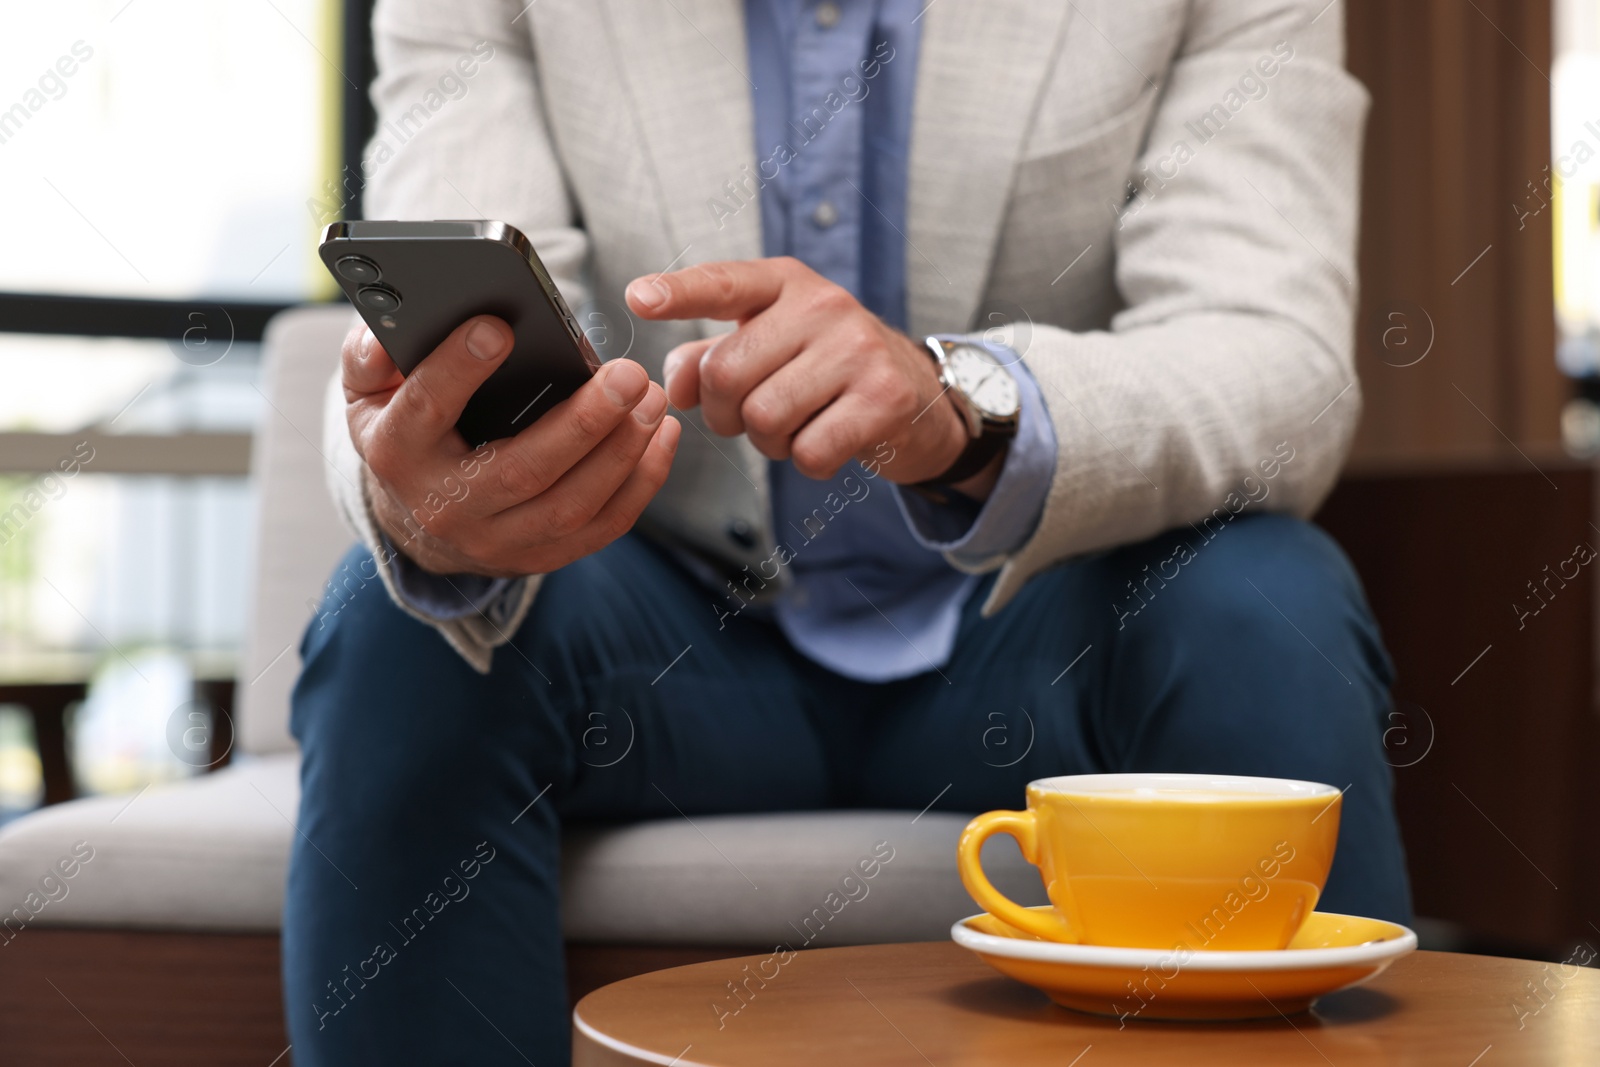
{"x": 1156, "y": 201}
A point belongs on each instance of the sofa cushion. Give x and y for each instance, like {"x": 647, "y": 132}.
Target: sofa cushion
{"x": 208, "y": 853}
{"x": 211, "y": 853}
{"x": 803, "y": 878}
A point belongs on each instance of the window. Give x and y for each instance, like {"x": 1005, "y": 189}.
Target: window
{"x": 165, "y": 162}
{"x": 1572, "y": 191}
{"x": 167, "y": 148}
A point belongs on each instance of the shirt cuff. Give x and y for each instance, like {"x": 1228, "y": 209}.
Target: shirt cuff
{"x": 443, "y": 597}
{"x": 973, "y": 535}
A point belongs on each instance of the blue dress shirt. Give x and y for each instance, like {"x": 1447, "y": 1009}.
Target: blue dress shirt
{"x": 873, "y": 598}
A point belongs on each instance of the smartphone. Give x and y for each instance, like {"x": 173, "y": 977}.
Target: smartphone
{"x": 415, "y": 282}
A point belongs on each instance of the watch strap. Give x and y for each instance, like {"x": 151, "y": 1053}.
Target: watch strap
{"x": 976, "y": 456}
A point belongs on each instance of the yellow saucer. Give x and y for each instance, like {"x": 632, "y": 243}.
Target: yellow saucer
{"x": 1330, "y": 952}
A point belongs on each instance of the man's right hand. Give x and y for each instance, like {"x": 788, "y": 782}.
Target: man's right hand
{"x": 563, "y": 488}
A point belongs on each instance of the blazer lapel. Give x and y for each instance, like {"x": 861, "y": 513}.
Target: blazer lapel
{"x": 685, "y": 69}
{"x": 686, "y": 73}
{"x": 980, "y": 72}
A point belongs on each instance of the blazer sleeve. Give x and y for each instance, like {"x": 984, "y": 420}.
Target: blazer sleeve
{"x": 461, "y": 134}
{"x": 1227, "y": 381}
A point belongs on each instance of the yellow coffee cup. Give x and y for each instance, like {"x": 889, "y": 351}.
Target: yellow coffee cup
{"x": 1207, "y": 861}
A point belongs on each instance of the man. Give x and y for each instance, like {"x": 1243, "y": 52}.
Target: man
{"x": 1128, "y": 230}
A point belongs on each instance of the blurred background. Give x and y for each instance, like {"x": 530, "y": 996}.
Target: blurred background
{"x": 167, "y": 195}
{"x": 170, "y": 163}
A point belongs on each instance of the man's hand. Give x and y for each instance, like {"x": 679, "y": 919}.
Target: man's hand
{"x": 809, "y": 375}
{"x": 561, "y": 489}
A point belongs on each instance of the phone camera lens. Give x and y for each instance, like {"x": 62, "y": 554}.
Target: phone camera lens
{"x": 377, "y": 298}
{"x": 358, "y": 270}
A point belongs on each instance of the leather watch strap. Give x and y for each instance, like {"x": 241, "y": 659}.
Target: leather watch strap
{"x": 973, "y": 458}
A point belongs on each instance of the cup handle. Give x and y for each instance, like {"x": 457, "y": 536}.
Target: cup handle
{"x": 1020, "y": 825}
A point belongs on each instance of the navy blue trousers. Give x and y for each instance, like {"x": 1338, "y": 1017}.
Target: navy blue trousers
{"x": 422, "y": 918}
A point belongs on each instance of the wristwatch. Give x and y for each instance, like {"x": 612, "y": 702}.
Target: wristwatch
{"x": 986, "y": 397}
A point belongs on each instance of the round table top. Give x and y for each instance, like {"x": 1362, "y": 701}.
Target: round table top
{"x": 934, "y": 1003}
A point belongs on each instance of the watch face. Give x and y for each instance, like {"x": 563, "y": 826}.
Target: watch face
{"x": 990, "y": 386}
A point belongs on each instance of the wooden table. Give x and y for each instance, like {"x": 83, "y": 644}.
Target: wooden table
{"x": 935, "y": 1004}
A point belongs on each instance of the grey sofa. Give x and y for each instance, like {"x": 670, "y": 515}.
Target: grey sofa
{"x": 208, "y": 856}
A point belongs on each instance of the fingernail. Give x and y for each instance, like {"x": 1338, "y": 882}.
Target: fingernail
{"x": 669, "y": 435}
{"x": 624, "y": 383}
{"x": 369, "y": 343}
{"x": 647, "y": 292}
{"x": 651, "y": 408}
{"x": 485, "y": 342}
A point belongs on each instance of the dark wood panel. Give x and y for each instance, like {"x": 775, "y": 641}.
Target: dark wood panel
{"x": 86, "y": 998}
{"x": 1460, "y": 124}
{"x": 1497, "y": 812}
{"x": 83, "y": 998}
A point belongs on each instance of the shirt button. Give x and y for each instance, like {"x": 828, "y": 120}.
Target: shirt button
{"x": 825, "y": 214}
{"x": 828, "y": 14}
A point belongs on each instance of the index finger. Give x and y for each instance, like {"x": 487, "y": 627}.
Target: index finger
{"x": 729, "y": 291}
{"x": 367, "y": 368}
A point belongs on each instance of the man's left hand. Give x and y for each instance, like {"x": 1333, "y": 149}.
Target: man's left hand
{"x": 809, "y": 375}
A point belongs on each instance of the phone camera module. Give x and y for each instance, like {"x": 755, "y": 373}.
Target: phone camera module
{"x": 377, "y": 298}
{"x": 358, "y": 269}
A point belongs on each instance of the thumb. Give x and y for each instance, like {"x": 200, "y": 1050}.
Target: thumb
{"x": 680, "y": 372}
{"x": 431, "y": 399}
